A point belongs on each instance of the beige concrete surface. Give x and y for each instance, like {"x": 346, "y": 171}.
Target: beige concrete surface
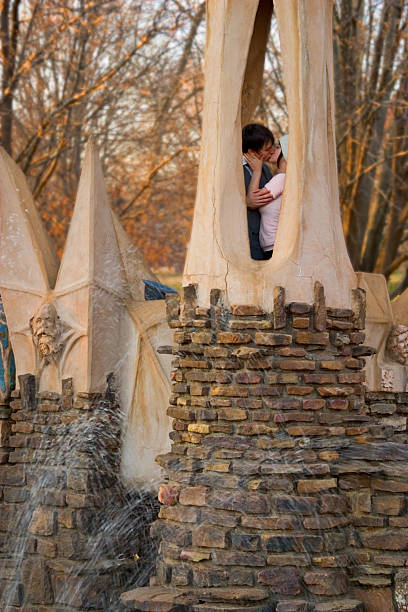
{"x": 95, "y": 320}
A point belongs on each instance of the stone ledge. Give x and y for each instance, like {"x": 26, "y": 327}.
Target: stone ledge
{"x": 234, "y": 608}
{"x": 189, "y": 599}
{"x": 166, "y": 599}
{"x": 343, "y": 605}
{"x": 155, "y": 599}
{"x": 294, "y": 606}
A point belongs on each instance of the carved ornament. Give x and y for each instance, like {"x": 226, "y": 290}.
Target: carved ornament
{"x": 397, "y": 344}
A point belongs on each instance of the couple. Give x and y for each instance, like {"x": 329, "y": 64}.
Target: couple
{"x": 263, "y": 193}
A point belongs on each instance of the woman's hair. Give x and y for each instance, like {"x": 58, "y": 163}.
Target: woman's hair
{"x": 279, "y": 159}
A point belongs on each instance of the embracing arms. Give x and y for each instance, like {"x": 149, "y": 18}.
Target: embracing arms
{"x": 255, "y": 197}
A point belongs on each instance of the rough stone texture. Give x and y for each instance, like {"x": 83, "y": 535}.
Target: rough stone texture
{"x": 297, "y": 477}
{"x": 294, "y": 606}
{"x": 62, "y": 506}
{"x": 155, "y": 599}
{"x": 401, "y": 590}
{"x": 319, "y": 307}
{"x": 375, "y": 599}
{"x": 343, "y": 605}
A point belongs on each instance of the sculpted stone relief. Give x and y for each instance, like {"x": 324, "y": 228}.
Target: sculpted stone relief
{"x": 46, "y": 328}
{"x": 52, "y": 338}
{"x": 385, "y": 331}
{"x": 397, "y": 344}
{"x": 387, "y": 379}
{"x": 398, "y": 341}
{"x": 86, "y": 317}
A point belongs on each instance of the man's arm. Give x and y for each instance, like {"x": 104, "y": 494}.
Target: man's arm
{"x": 254, "y": 202}
{"x": 257, "y": 199}
{"x": 272, "y": 190}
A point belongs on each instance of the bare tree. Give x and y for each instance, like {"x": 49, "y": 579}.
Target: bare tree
{"x": 370, "y": 54}
{"x": 130, "y": 73}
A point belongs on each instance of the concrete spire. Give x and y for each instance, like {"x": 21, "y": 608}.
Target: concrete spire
{"x": 91, "y": 253}
{"x": 28, "y": 264}
{"x": 91, "y": 282}
{"x": 36, "y": 263}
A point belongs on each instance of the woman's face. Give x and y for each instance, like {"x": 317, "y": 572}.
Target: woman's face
{"x": 266, "y": 151}
{"x": 269, "y": 152}
{"x": 275, "y": 154}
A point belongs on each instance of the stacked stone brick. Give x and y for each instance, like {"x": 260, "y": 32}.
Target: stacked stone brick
{"x": 59, "y": 485}
{"x": 374, "y": 476}
{"x": 284, "y": 489}
{"x": 5, "y": 427}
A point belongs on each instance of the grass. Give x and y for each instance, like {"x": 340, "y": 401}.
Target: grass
{"x": 395, "y": 279}
{"x": 170, "y": 279}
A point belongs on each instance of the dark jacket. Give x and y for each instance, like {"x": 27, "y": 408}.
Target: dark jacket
{"x": 254, "y": 217}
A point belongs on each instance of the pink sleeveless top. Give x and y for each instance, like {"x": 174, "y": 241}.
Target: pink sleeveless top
{"x": 270, "y": 212}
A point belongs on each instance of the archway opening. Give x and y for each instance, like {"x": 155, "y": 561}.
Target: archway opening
{"x": 264, "y": 120}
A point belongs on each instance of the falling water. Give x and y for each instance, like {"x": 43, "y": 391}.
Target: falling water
{"x": 111, "y": 545}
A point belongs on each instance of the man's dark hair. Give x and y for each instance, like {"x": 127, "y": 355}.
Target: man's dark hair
{"x": 254, "y": 136}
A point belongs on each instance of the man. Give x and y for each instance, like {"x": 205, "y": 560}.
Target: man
{"x": 258, "y": 140}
